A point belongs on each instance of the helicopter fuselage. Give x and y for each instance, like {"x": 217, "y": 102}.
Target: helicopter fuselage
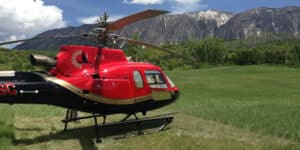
{"x": 91, "y": 79}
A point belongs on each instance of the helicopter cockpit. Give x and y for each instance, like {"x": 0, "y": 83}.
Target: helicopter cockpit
{"x": 155, "y": 79}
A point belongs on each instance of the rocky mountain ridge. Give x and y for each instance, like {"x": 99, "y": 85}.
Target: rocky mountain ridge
{"x": 174, "y": 28}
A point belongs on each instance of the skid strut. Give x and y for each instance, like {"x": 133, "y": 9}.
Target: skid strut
{"x": 159, "y": 122}
{"x": 69, "y": 118}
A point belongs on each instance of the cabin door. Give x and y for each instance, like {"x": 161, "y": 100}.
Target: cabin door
{"x": 141, "y": 91}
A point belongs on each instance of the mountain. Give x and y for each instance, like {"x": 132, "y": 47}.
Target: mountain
{"x": 54, "y": 44}
{"x": 178, "y": 27}
{"x": 175, "y": 28}
{"x": 258, "y": 21}
{"x": 162, "y": 29}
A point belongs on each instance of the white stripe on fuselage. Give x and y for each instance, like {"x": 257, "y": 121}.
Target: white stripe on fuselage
{"x": 7, "y": 73}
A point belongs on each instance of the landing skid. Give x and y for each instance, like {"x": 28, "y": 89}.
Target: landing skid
{"x": 126, "y": 127}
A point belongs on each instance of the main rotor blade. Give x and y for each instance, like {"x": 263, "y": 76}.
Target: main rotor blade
{"x": 18, "y": 41}
{"x": 119, "y": 24}
{"x": 142, "y": 43}
{"x": 37, "y": 38}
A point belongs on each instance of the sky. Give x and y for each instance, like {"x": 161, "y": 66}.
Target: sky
{"x": 26, "y": 18}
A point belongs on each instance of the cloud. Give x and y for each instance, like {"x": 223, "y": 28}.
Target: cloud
{"x": 88, "y": 20}
{"x": 177, "y": 6}
{"x": 181, "y": 6}
{"x": 93, "y": 19}
{"x": 26, "y": 18}
{"x": 144, "y": 2}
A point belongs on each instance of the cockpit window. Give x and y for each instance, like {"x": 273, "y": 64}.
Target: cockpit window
{"x": 155, "y": 79}
{"x": 171, "y": 82}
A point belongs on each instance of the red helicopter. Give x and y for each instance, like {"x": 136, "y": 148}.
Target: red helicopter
{"x": 97, "y": 80}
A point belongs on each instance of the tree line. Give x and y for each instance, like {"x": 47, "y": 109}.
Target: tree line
{"x": 214, "y": 51}
{"x": 197, "y": 53}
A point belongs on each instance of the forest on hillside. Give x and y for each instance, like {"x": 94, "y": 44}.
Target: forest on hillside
{"x": 195, "y": 54}
{"x": 214, "y": 51}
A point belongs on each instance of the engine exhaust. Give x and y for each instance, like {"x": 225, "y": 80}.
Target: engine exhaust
{"x": 43, "y": 61}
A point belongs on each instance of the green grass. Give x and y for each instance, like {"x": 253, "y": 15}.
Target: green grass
{"x": 231, "y": 107}
{"x": 37, "y": 111}
{"x": 19, "y": 60}
{"x": 263, "y": 99}
{"x": 7, "y": 130}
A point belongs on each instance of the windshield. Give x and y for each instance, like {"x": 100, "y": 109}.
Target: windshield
{"x": 155, "y": 79}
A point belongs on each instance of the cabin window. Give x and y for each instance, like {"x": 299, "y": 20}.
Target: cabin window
{"x": 138, "y": 79}
{"x": 155, "y": 79}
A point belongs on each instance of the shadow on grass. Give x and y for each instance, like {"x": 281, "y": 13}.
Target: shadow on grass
{"x": 86, "y": 135}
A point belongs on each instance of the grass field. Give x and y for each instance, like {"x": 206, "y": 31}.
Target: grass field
{"x": 231, "y": 107}
{"x": 257, "y": 98}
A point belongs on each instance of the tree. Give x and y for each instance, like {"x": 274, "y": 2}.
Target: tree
{"x": 102, "y": 21}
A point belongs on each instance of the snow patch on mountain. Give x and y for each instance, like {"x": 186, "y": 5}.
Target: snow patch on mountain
{"x": 219, "y": 16}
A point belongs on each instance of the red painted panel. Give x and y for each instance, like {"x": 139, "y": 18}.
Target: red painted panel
{"x": 116, "y": 89}
{"x": 77, "y": 64}
{"x": 7, "y": 89}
